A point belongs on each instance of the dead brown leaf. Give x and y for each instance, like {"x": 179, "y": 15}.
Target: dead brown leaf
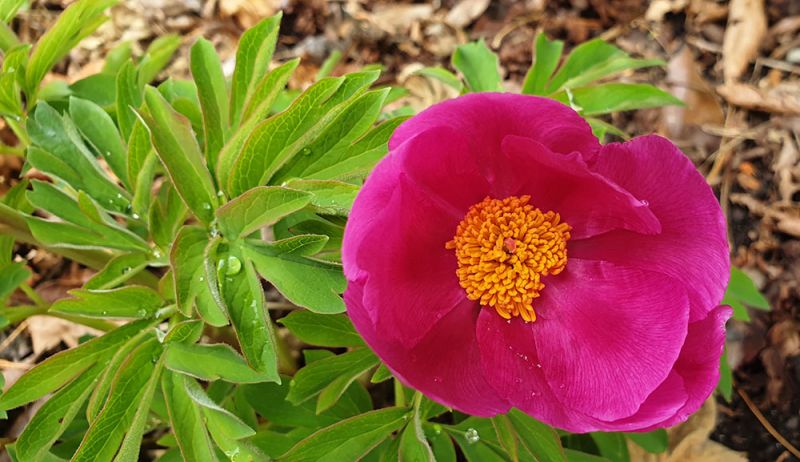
{"x": 659, "y": 8}
{"x": 687, "y": 84}
{"x": 747, "y": 25}
{"x": 248, "y": 12}
{"x": 787, "y": 167}
{"x": 397, "y": 18}
{"x": 47, "y": 332}
{"x": 465, "y": 12}
{"x": 783, "y": 98}
{"x": 688, "y": 442}
{"x": 785, "y": 221}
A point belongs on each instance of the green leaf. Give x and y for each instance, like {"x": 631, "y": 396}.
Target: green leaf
{"x": 537, "y": 438}
{"x": 187, "y": 332}
{"x": 414, "y": 446}
{"x": 157, "y": 57}
{"x": 252, "y": 61}
{"x": 601, "y": 128}
{"x": 76, "y": 22}
{"x": 615, "y": 97}
{"x": 329, "y": 64}
{"x": 356, "y": 160}
{"x": 506, "y": 435}
{"x": 9, "y": 9}
{"x": 655, "y": 442}
{"x": 106, "y": 379}
{"x": 212, "y": 362}
{"x": 578, "y": 456}
{"x": 124, "y": 302}
{"x": 57, "y": 370}
{"x": 118, "y": 270}
{"x": 191, "y": 268}
{"x": 131, "y": 444}
{"x": 107, "y": 431}
{"x": 327, "y": 330}
{"x": 244, "y": 300}
{"x": 167, "y": 214}
{"x": 99, "y": 130}
{"x": 128, "y": 100}
{"x": 349, "y": 123}
{"x": 613, "y": 66}
{"x": 213, "y": 95}
{"x": 313, "y": 284}
{"x": 612, "y": 446}
{"x": 475, "y": 437}
{"x": 328, "y": 197}
{"x": 276, "y": 139}
{"x": 583, "y": 57}
{"x": 479, "y": 66}
{"x": 313, "y": 378}
{"x": 259, "y": 207}
{"x": 382, "y": 373}
{"x": 180, "y": 154}
{"x": 743, "y": 291}
{"x": 100, "y": 89}
{"x": 725, "y": 385}
{"x": 53, "y": 418}
{"x": 64, "y": 155}
{"x": 186, "y": 418}
{"x": 11, "y": 276}
{"x": 443, "y": 75}
{"x": 257, "y": 109}
{"x": 548, "y": 52}
{"x": 117, "y": 57}
{"x": 349, "y": 439}
{"x": 269, "y": 400}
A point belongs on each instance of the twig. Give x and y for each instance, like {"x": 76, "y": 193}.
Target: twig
{"x": 14, "y": 334}
{"x": 768, "y": 426}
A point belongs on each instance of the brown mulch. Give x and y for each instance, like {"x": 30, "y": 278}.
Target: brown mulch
{"x": 736, "y": 65}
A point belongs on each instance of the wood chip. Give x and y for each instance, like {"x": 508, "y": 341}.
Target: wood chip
{"x": 784, "y": 98}
{"x": 747, "y": 25}
{"x": 465, "y": 12}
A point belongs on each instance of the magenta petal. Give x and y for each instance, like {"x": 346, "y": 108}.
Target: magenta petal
{"x": 443, "y": 365}
{"x": 509, "y": 356}
{"x": 692, "y": 246}
{"x": 698, "y": 363}
{"x": 607, "y": 336}
{"x": 589, "y": 203}
{"x": 440, "y": 162}
{"x": 659, "y": 407}
{"x": 488, "y": 117}
{"x": 412, "y": 279}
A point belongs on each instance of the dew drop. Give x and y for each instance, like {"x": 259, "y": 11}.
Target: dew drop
{"x": 644, "y": 202}
{"x": 126, "y": 270}
{"x": 534, "y": 394}
{"x": 206, "y": 206}
{"x": 201, "y": 279}
{"x": 220, "y": 194}
{"x": 233, "y": 266}
{"x": 437, "y": 429}
{"x": 104, "y": 313}
{"x": 437, "y": 379}
{"x": 141, "y": 313}
{"x": 539, "y": 365}
{"x": 135, "y": 216}
{"x": 157, "y": 253}
{"x": 561, "y": 387}
{"x": 472, "y": 436}
{"x": 306, "y": 151}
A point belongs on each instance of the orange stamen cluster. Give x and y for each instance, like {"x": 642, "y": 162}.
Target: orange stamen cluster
{"x": 504, "y": 248}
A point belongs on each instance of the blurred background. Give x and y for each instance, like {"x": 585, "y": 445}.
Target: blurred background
{"x": 735, "y": 64}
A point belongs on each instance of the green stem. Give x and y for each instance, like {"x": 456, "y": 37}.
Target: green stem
{"x": 399, "y": 394}
{"x": 98, "y": 324}
{"x": 20, "y": 131}
{"x": 417, "y": 401}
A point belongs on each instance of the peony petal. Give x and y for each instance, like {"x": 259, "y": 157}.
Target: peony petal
{"x": 563, "y": 183}
{"x": 607, "y": 336}
{"x": 509, "y": 357}
{"x": 412, "y": 276}
{"x": 692, "y": 246}
{"x": 488, "y": 117}
{"x": 370, "y": 202}
{"x": 440, "y": 162}
{"x": 444, "y": 365}
{"x": 698, "y": 363}
{"x": 660, "y": 406}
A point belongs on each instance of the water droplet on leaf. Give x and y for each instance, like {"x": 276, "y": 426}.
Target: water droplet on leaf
{"x": 472, "y": 436}
{"x": 233, "y": 265}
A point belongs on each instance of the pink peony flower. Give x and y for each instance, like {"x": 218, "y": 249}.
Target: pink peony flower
{"x": 501, "y": 257}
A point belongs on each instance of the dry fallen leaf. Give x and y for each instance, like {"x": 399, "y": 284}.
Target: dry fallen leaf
{"x": 465, "y": 12}
{"x": 687, "y": 84}
{"x": 747, "y": 25}
{"x": 688, "y": 442}
{"x": 398, "y": 18}
{"x": 249, "y": 12}
{"x": 422, "y": 91}
{"x": 47, "y": 332}
{"x": 783, "y": 98}
{"x": 659, "y": 8}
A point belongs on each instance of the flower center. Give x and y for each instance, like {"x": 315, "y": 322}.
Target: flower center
{"x": 504, "y": 248}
